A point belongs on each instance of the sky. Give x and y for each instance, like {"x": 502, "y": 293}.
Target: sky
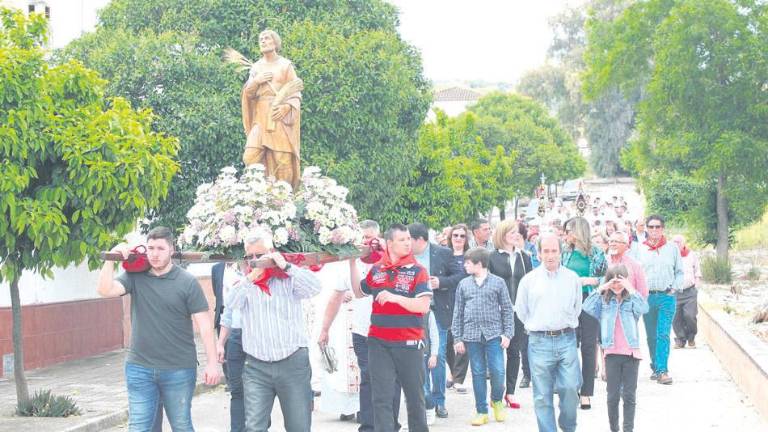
{"x": 489, "y": 40}
{"x": 459, "y": 40}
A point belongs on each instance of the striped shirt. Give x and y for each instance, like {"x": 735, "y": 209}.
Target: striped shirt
{"x": 273, "y": 325}
{"x": 391, "y": 322}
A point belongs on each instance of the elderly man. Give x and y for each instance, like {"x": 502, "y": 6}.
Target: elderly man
{"x": 444, "y": 276}
{"x": 274, "y": 337}
{"x": 401, "y": 295}
{"x": 684, "y": 323}
{"x": 549, "y": 303}
{"x": 618, "y": 245}
{"x": 664, "y": 273}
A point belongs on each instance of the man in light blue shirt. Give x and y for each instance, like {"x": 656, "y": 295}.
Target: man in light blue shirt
{"x": 549, "y": 303}
{"x": 663, "y": 268}
{"x": 229, "y": 347}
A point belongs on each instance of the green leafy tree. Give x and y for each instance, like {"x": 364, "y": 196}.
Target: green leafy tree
{"x": 532, "y": 137}
{"x": 364, "y": 99}
{"x": 704, "y": 71}
{"x": 607, "y": 121}
{"x": 78, "y": 170}
{"x": 485, "y": 157}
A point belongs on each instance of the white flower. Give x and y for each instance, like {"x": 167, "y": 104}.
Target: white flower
{"x": 228, "y": 235}
{"x": 280, "y": 237}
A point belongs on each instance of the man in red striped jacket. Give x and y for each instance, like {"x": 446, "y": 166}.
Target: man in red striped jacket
{"x": 401, "y": 292}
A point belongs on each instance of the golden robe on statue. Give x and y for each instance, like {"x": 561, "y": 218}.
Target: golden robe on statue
{"x": 274, "y": 143}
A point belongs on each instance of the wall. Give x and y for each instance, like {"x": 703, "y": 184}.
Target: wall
{"x": 59, "y": 332}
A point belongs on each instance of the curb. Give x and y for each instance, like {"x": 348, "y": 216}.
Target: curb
{"x": 118, "y": 417}
{"x": 742, "y": 354}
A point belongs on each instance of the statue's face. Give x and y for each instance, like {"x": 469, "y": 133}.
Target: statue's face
{"x": 266, "y": 43}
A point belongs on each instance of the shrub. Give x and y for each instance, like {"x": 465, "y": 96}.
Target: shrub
{"x": 715, "y": 270}
{"x": 46, "y": 404}
{"x": 753, "y": 273}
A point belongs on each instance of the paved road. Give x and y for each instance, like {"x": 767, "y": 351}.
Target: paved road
{"x": 703, "y": 398}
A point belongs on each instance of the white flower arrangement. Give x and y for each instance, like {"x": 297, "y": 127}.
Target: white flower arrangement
{"x": 316, "y": 218}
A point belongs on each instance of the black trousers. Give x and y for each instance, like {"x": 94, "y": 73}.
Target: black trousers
{"x": 457, "y": 363}
{"x": 685, "y": 322}
{"x": 587, "y": 334}
{"x": 386, "y": 365}
{"x": 621, "y": 372}
{"x": 517, "y": 350}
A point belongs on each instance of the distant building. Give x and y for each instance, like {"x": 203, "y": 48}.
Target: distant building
{"x": 453, "y": 101}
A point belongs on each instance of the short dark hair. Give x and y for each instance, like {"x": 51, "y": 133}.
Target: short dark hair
{"x": 418, "y": 231}
{"x": 654, "y": 217}
{"x": 161, "y": 233}
{"x": 477, "y": 223}
{"x": 397, "y": 227}
{"x": 478, "y": 255}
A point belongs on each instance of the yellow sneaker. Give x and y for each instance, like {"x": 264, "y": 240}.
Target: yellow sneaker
{"x": 480, "y": 420}
{"x": 498, "y": 411}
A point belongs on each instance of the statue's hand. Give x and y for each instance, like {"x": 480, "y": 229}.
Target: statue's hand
{"x": 262, "y": 77}
{"x": 280, "y": 111}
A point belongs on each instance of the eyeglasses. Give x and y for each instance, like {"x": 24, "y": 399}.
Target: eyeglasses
{"x": 459, "y": 235}
{"x": 254, "y": 256}
{"x": 617, "y": 241}
{"x": 654, "y": 226}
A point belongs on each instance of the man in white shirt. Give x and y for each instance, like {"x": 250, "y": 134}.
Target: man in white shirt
{"x": 549, "y": 303}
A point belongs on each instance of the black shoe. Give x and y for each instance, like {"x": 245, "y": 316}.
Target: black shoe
{"x": 525, "y": 382}
{"x": 654, "y": 376}
{"x": 441, "y": 412}
{"x": 347, "y": 417}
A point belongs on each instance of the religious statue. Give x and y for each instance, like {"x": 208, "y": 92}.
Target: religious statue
{"x": 271, "y": 102}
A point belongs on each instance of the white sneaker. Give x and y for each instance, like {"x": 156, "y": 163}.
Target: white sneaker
{"x": 431, "y": 417}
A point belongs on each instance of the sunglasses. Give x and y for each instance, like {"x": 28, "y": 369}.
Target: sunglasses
{"x": 459, "y": 235}
{"x": 654, "y": 226}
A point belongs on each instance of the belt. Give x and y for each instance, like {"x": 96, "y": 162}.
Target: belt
{"x": 666, "y": 291}
{"x": 552, "y": 332}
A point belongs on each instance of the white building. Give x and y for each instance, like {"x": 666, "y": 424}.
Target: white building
{"x": 453, "y": 101}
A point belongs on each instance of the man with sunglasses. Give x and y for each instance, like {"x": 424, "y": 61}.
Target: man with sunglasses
{"x": 663, "y": 267}
{"x": 275, "y": 338}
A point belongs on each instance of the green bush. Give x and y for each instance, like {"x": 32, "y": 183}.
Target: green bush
{"x": 753, "y": 273}
{"x": 717, "y": 271}
{"x": 45, "y": 404}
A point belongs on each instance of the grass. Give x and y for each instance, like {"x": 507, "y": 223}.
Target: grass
{"x": 754, "y": 236}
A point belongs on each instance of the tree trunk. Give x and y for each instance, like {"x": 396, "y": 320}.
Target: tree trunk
{"x": 722, "y": 219}
{"x": 503, "y": 211}
{"x": 22, "y": 388}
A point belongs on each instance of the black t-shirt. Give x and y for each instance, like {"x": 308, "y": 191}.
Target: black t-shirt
{"x": 161, "y": 318}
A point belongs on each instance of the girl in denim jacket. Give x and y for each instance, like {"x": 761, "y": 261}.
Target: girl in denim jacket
{"x": 618, "y": 307}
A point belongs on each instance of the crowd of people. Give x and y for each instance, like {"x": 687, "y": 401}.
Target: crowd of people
{"x": 547, "y": 302}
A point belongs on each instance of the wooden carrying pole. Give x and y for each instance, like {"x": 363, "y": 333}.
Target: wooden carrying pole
{"x": 303, "y": 259}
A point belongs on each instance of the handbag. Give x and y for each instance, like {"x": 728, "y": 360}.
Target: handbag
{"x": 137, "y": 261}
{"x": 328, "y": 359}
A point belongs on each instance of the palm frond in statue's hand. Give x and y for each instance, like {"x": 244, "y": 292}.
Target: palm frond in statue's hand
{"x": 231, "y": 55}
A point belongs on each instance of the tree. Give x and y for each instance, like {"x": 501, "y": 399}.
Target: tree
{"x": 364, "y": 99}
{"x": 704, "y": 71}
{"x": 606, "y": 122}
{"x": 484, "y": 157}
{"x": 78, "y": 170}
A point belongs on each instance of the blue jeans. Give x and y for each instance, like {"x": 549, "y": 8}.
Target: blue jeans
{"x": 438, "y": 373}
{"x": 658, "y": 324}
{"x": 235, "y": 357}
{"x": 429, "y": 401}
{"x": 484, "y": 356}
{"x": 148, "y": 386}
{"x": 554, "y": 362}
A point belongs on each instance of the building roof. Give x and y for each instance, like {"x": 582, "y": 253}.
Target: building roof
{"x": 456, "y": 94}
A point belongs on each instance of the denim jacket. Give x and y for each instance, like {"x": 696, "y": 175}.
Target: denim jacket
{"x": 630, "y": 309}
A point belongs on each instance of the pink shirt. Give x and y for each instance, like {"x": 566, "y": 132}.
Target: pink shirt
{"x": 636, "y": 273}
{"x": 691, "y": 269}
{"x": 620, "y": 345}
